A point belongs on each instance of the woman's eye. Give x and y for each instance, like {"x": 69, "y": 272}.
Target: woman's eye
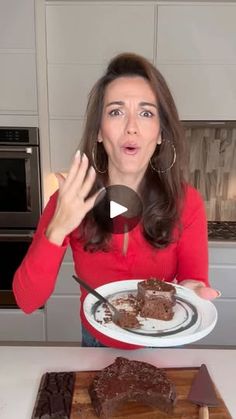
{"x": 147, "y": 114}
{"x": 115, "y": 112}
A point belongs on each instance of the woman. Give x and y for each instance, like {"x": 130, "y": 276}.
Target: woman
{"x": 132, "y": 137}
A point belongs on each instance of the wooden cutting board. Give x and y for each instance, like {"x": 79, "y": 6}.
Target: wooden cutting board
{"x": 182, "y": 377}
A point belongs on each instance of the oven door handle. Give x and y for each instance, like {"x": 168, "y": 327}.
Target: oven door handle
{"x": 27, "y": 150}
{"x": 16, "y": 236}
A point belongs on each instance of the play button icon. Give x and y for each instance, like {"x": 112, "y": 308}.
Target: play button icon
{"x": 118, "y": 209}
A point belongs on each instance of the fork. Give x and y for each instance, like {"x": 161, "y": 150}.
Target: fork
{"x": 118, "y": 317}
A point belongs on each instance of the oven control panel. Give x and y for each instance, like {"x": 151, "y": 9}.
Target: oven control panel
{"x": 18, "y": 135}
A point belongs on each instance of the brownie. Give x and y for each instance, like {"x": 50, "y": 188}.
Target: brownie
{"x": 127, "y": 320}
{"x": 126, "y": 380}
{"x": 55, "y": 396}
{"x": 156, "y": 299}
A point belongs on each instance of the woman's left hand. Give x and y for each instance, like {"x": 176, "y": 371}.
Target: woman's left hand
{"x": 201, "y": 289}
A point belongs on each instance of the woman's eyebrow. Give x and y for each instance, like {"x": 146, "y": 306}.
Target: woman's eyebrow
{"x": 148, "y": 104}
{"x": 115, "y": 102}
{"x": 120, "y": 103}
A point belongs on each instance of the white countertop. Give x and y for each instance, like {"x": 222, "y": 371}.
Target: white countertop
{"x": 21, "y": 368}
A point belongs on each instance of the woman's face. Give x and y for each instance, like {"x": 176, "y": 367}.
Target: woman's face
{"x": 130, "y": 126}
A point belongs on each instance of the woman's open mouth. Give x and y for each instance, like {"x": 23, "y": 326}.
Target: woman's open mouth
{"x": 130, "y": 149}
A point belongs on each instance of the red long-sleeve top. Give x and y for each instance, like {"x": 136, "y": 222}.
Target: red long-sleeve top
{"x": 187, "y": 258}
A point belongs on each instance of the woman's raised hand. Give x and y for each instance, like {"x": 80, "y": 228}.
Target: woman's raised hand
{"x": 72, "y": 202}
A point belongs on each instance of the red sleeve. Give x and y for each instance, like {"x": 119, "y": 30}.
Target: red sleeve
{"x": 35, "y": 278}
{"x": 193, "y": 242}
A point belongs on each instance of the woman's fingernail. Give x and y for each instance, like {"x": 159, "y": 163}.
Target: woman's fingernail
{"x": 92, "y": 170}
{"x": 218, "y": 293}
{"x": 84, "y": 157}
{"x": 77, "y": 154}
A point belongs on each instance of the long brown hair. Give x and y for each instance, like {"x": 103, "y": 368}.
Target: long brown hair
{"x": 161, "y": 192}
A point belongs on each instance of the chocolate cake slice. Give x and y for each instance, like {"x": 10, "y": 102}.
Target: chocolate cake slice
{"x": 156, "y": 299}
{"x": 126, "y": 380}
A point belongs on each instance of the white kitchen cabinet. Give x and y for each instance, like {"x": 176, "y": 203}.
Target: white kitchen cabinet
{"x": 223, "y": 278}
{"x": 202, "y": 91}
{"x": 18, "y": 120}
{"x": 18, "y": 326}
{"x": 224, "y": 333}
{"x": 66, "y": 285}
{"x": 78, "y": 32}
{"x": 65, "y": 136}
{"x": 69, "y": 85}
{"x": 63, "y": 319}
{"x": 18, "y": 84}
{"x": 81, "y": 38}
{"x": 197, "y": 32}
{"x": 17, "y": 24}
{"x": 196, "y": 53}
{"x": 62, "y": 309}
{"x": 222, "y": 274}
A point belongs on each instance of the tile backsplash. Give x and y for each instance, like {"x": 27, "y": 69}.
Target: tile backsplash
{"x": 212, "y": 165}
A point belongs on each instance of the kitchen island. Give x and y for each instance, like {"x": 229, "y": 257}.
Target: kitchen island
{"x": 21, "y": 368}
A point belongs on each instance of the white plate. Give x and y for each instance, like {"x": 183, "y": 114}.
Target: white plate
{"x": 193, "y": 317}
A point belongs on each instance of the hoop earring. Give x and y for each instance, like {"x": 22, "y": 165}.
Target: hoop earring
{"x": 172, "y": 163}
{"x": 94, "y": 156}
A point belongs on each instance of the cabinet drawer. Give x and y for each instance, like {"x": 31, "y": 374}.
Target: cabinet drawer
{"x": 222, "y": 255}
{"x": 65, "y": 283}
{"x": 18, "y": 326}
{"x": 223, "y": 278}
{"x": 224, "y": 332}
{"x": 63, "y": 319}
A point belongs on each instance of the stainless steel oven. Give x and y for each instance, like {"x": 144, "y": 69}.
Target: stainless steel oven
{"x": 13, "y": 247}
{"x": 20, "y": 201}
{"x": 20, "y": 195}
